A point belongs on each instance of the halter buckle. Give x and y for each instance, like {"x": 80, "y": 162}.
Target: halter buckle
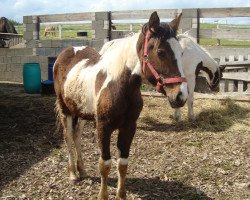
{"x": 145, "y": 58}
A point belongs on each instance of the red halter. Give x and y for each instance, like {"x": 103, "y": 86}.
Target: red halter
{"x": 160, "y": 80}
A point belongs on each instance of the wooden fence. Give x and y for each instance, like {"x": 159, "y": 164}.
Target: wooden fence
{"x": 10, "y": 39}
{"x": 236, "y": 77}
{"x": 101, "y": 23}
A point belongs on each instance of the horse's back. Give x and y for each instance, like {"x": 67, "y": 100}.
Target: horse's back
{"x": 68, "y": 59}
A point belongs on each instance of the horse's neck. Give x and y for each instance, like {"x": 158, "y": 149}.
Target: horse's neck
{"x": 197, "y": 53}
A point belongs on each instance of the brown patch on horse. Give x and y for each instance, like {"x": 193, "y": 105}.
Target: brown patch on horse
{"x": 205, "y": 69}
{"x": 6, "y": 26}
{"x": 69, "y": 106}
{"x": 120, "y": 101}
{"x": 67, "y": 60}
{"x": 88, "y": 53}
{"x": 100, "y": 78}
{"x": 64, "y": 63}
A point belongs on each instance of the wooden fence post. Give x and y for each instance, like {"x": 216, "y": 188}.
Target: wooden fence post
{"x": 60, "y": 31}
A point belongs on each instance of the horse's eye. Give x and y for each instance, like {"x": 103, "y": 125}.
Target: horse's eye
{"x": 160, "y": 52}
{"x": 150, "y": 47}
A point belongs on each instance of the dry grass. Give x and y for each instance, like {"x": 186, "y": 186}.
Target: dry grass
{"x": 204, "y": 159}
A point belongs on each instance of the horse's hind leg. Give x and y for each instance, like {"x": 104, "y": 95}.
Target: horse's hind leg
{"x": 68, "y": 136}
{"x": 77, "y": 140}
{"x": 104, "y": 134}
{"x": 125, "y": 138}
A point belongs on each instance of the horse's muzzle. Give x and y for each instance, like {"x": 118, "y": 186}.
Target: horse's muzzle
{"x": 177, "y": 101}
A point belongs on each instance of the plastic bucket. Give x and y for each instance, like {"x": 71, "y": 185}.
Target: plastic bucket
{"x": 32, "y": 78}
{"x": 50, "y": 72}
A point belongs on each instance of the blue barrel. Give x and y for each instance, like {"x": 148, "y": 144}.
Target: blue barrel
{"x": 50, "y": 72}
{"x": 32, "y": 78}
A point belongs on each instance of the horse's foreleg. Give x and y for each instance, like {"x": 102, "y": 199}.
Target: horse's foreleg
{"x": 190, "y": 100}
{"x": 77, "y": 140}
{"x": 125, "y": 138}
{"x": 177, "y": 114}
{"x": 104, "y": 134}
{"x": 68, "y": 136}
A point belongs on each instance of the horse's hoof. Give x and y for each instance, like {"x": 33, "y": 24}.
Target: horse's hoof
{"x": 177, "y": 119}
{"x": 102, "y": 197}
{"x": 74, "y": 180}
{"x": 120, "y": 198}
{"x": 83, "y": 174}
{"x": 121, "y": 195}
{"x": 191, "y": 118}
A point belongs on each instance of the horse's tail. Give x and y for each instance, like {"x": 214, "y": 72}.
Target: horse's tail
{"x": 59, "y": 116}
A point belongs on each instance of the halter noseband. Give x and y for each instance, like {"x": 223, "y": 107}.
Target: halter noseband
{"x": 160, "y": 80}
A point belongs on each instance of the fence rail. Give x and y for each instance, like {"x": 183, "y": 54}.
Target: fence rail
{"x": 10, "y": 39}
{"x": 101, "y": 31}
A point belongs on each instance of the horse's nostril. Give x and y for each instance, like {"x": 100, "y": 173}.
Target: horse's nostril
{"x": 178, "y": 97}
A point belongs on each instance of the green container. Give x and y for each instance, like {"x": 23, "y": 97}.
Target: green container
{"x": 32, "y": 78}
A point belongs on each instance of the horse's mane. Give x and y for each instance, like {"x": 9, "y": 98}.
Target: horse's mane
{"x": 120, "y": 50}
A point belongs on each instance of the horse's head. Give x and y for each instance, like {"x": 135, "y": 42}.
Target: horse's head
{"x": 6, "y": 26}
{"x": 160, "y": 56}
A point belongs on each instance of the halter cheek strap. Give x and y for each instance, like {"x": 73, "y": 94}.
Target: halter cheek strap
{"x": 160, "y": 80}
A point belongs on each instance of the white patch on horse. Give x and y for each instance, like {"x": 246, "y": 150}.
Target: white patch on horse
{"x": 78, "y": 48}
{"x": 82, "y": 81}
{"x": 107, "y": 162}
{"x": 176, "y": 48}
{"x": 198, "y": 54}
{"x": 137, "y": 69}
{"x": 193, "y": 54}
{"x": 122, "y": 161}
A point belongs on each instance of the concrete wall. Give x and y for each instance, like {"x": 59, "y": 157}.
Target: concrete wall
{"x": 12, "y": 60}
{"x": 36, "y": 50}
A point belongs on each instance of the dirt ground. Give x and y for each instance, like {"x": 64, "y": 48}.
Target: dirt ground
{"x": 204, "y": 159}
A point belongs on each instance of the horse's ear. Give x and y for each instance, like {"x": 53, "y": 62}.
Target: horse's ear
{"x": 154, "y": 22}
{"x": 174, "y": 24}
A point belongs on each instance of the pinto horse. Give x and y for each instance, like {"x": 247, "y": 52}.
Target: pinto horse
{"x": 107, "y": 89}
{"x": 197, "y": 60}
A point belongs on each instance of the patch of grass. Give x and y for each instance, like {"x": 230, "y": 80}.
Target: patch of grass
{"x": 136, "y": 27}
{"x": 205, "y": 172}
{"x": 208, "y": 26}
{"x": 195, "y": 143}
{"x": 227, "y": 165}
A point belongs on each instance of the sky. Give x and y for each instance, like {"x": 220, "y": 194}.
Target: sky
{"x": 16, "y": 9}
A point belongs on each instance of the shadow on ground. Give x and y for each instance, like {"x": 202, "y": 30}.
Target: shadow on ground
{"x": 167, "y": 190}
{"x": 26, "y": 131}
